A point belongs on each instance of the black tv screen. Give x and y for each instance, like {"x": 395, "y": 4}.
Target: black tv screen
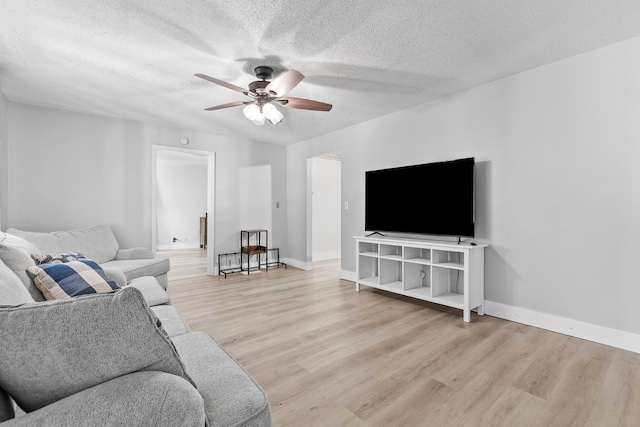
{"x": 433, "y": 198}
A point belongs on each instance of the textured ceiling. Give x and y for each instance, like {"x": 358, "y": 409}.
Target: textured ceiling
{"x": 137, "y": 59}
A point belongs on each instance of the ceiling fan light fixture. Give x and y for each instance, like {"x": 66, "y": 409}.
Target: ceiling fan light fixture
{"x": 253, "y": 113}
{"x": 271, "y": 112}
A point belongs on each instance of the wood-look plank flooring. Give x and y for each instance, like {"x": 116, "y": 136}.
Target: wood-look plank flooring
{"x": 327, "y": 355}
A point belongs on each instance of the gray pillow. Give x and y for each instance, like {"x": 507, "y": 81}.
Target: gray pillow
{"x": 16, "y": 253}
{"x": 19, "y": 243}
{"x": 53, "y": 349}
{"x": 12, "y": 291}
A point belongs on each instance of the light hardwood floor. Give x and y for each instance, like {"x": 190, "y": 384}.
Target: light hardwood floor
{"x": 329, "y": 356}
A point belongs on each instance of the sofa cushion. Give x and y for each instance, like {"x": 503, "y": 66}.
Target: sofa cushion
{"x": 217, "y": 376}
{"x": 16, "y": 253}
{"x": 71, "y": 279}
{"x": 138, "y": 399}
{"x": 171, "y": 321}
{"x": 12, "y": 291}
{"x": 115, "y": 275}
{"x": 135, "y": 268}
{"x": 151, "y": 291}
{"x": 97, "y": 243}
{"x": 53, "y": 349}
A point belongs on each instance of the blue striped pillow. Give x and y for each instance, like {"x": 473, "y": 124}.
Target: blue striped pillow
{"x": 62, "y": 281}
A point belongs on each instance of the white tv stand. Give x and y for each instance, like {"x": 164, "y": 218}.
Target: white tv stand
{"x": 440, "y": 272}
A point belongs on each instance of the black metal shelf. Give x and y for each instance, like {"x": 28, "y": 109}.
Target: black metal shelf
{"x": 253, "y": 243}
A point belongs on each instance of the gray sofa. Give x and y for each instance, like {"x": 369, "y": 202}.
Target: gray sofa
{"x": 99, "y": 244}
{"x": 123, "y": 357}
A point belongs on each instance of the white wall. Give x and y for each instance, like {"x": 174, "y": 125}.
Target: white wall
{"x": 557, "y": 181}
{"x": 69, "y": 170}
{"x": 326, "y": 211}
{"x": 255, "y": 199}
{"x": 181, "y": 198}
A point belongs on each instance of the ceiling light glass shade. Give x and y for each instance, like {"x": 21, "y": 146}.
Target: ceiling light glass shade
{"x": 259, "y": 120}
{"x": 271, "y": 112}
{"x": 253, "y": 113}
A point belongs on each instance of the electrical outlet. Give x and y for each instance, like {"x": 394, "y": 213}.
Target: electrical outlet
{"x": 346, "y": 205}
{"x": 174, "y": 240}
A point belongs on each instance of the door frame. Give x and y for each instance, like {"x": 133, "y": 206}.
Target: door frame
{"x": 211, "y": 161}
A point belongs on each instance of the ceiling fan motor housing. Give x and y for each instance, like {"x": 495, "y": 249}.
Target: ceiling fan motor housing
{"x": 258, "y": 87}
{"x": 263, "y": 72}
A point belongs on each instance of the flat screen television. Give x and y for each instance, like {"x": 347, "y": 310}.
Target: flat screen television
{"x": 432, "y": 198}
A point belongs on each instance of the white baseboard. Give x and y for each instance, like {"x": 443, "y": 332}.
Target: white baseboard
{"x": 297, "y": 264}
{"x": 325, "y": 256}
{"x": 348, "y": 275}
{"x": 177, "y": 245}
{"x": 575, "y": 328}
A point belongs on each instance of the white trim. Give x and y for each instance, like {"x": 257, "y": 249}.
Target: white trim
{"x": 575, "y": 328}
{"x": 309, "y": 251}
{"x": 175, "y": 246}
{"x": 211, "y": 186}
{"x": 211, "y": 209}
{"x": 297, "y": 264}
{"x": 326, "y": 256}
{"x": 348, "y": 275}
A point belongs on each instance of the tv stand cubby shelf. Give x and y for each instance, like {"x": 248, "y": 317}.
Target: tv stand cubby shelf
{"x": 440, "y": 272}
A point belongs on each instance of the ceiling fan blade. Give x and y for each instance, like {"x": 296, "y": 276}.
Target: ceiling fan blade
{"x": 228, "y": 105}
{"x": 222, "y": 83}
{"x": 304, "y": 104}
{"x": 284, "y": 83}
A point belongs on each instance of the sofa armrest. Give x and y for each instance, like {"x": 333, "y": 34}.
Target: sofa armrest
{"x": 134, "y": 253}
{"x": 151, "y": 290}
{"x": 148, "y": 398}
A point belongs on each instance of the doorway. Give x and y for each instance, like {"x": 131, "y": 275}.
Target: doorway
{"x": 183, "y": 200}
{"x": 326, "y": 200}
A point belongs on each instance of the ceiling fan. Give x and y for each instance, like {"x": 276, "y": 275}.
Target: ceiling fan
{"x": 265, "y": 94}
